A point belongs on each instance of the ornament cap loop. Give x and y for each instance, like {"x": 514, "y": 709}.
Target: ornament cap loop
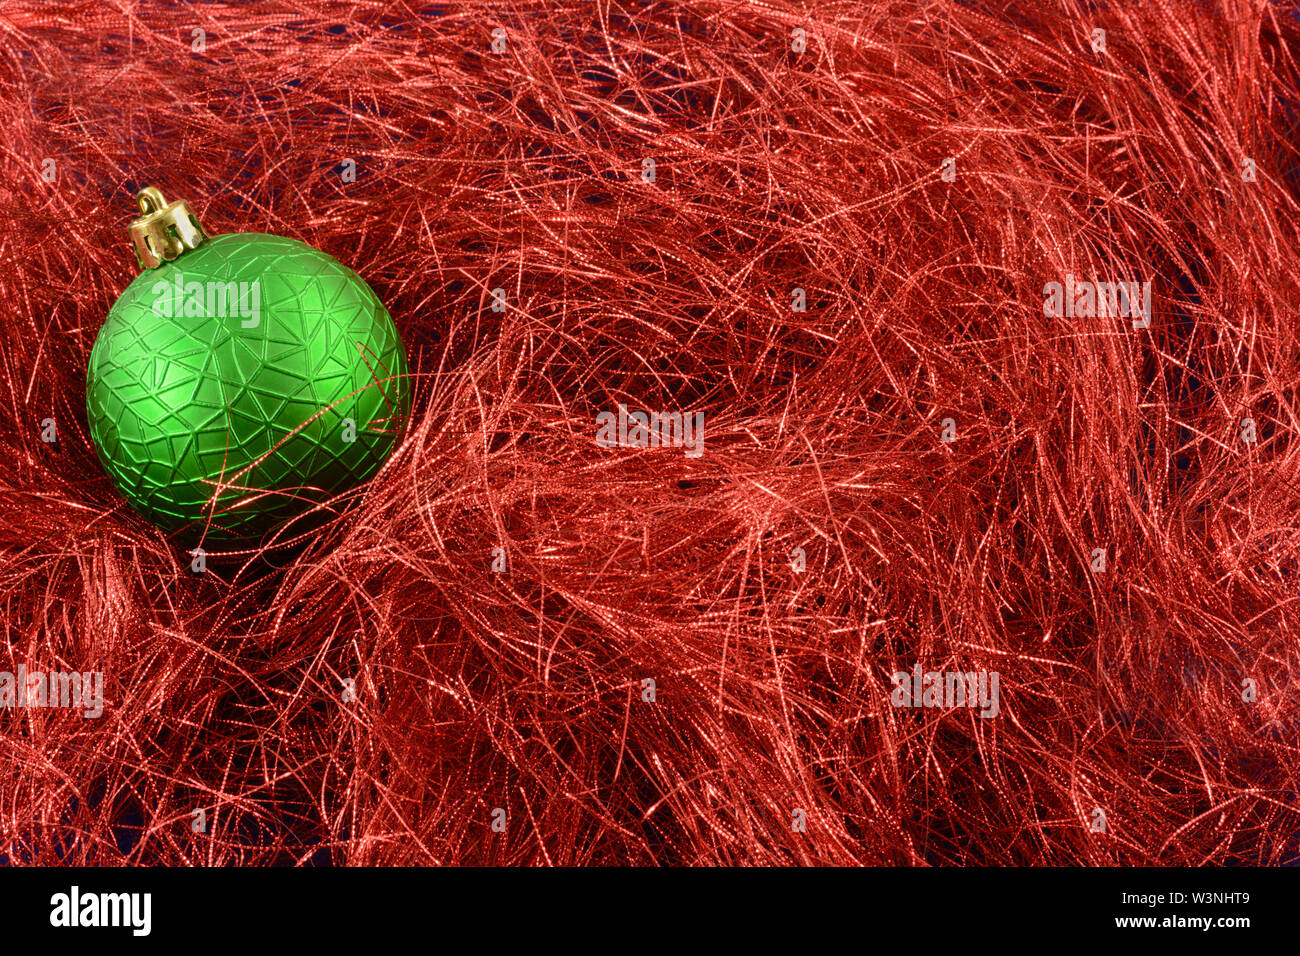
{"x": 164, "y": 230}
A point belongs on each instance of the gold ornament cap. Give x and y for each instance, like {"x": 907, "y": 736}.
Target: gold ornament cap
{"x": 164, "y": 230}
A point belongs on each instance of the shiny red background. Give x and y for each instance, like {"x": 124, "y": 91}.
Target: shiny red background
{"x": 523, "y": 690}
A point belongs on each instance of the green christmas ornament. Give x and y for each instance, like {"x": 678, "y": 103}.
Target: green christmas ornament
{"x": 240, "y": 379}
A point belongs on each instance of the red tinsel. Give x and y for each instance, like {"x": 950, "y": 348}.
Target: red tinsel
{"x": 516, "y": 680}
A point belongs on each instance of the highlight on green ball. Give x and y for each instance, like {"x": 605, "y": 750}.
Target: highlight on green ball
{"x": 240, "y": 380}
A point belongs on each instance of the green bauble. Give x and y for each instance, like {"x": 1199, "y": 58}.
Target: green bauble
{"x": 242, "y": 382}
